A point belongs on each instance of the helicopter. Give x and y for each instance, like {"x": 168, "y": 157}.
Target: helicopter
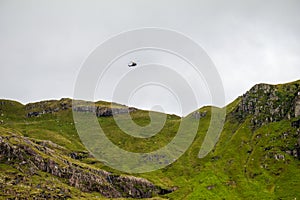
{"x": 132, "y": 64}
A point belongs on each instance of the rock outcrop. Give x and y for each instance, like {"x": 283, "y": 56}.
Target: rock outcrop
{"x": 269, "y": 103}
{"x": 47, "y": 107}
{"x": 53, "y": 106}
{"x": 103, "y": 111}
{"x": 199, "y": 115}
{"x": 297, "y": 105}
{"x": 31, "y": 156}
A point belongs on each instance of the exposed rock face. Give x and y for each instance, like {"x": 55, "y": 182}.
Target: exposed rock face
{"x": 297, "y": 106}
{"x": 199, "y": 115}
{"x": 46, "y": 107}
{"x": 295, "y": 152}
{"x": 268, "y": 103}
{"x": 30, "y": 157}
{"x": 104, "y": 111}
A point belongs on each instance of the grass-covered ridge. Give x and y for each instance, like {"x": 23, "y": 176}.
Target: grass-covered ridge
{"x": 256, "y": 157}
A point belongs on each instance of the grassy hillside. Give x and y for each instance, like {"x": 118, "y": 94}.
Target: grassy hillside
{"x": 256, "y": 157}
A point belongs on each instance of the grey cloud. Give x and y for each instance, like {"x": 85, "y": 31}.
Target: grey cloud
{"x": 43, "y": 43}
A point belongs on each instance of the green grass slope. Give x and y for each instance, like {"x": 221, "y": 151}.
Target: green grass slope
{"x": 256, "y": 157}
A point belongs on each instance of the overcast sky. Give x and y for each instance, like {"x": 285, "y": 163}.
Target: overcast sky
{"x": 44, "y": 43}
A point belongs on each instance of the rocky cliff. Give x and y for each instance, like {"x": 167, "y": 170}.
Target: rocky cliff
{"x": 269, "y": 103}
{"x": 32, "y": 156}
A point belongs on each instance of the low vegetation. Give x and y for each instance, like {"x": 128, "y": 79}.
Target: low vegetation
{"x": 257, "y": 155}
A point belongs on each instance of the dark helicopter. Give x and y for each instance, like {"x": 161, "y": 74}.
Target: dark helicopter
{"x": 132, "y": 64}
